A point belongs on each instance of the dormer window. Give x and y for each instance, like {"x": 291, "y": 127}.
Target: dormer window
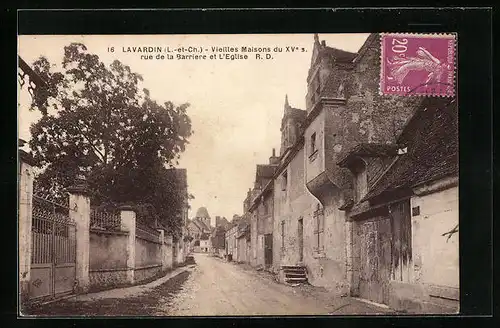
{"x": 313, "y": 143}
{"x": 314, "y": 88}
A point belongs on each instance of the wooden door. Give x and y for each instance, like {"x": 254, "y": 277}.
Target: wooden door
{"x": 401, "y": 246}
{"x": 268, "y": 249}
{"x": 375, "y": 259}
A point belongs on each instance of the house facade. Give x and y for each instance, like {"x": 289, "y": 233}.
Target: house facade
{"x": 311, "y": 192}
{"x": 260, "y": 213}
{"x": 404, "y": 220}
{"x": 200, "y": 233}
{"x": 205, "y": 244}
{"x": 243, "y": 244}
{"x": 364, "y": 192}
{"x": 217, "y": 237}
{"x": 231, "y": 241}
{"x": 344, "y": 108}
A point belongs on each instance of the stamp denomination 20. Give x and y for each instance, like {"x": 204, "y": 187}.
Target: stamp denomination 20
{"x": 418, "y": 64}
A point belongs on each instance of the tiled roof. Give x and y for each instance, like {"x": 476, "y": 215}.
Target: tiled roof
{"x": 340, "y": 55}
{"x": 221, "y": 222}
{"x": 431, "y": 138}
{"x": 372, "y": 38}
{"x": 369, "y": 150}
{"x": 200, "y": 224}
{"x": 298, "y": 115}
{"x": 264, "y": 171}
{"x": 202, "y": 213}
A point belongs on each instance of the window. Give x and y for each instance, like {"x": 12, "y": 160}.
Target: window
{"x": 319, "y": 219}
{"x": 313, "y": 143}
{"x": 282, "y": 235}
{"x": 284, "y": 181}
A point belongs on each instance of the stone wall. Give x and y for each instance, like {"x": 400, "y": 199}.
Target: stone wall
{"x": 108, "y": 258}
{"x": 328, "y": 268}
{"x": 434, "y": 284}
{"x": 107, "y": 277}
{"x": 289, "y": 207}
{"x": 146, "y": 272}
{"x": 147, "y": 252}
{"x": 436, "y": 257}
{"x": 242, "y": 255}
{"x": 108, "y": 249}
{"x": 254, "y": 237}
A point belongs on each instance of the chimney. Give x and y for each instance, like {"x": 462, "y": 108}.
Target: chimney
{"x": 273, "y": 159}
{"x": 323, "y": 43}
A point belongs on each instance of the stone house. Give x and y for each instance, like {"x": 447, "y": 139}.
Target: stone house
{"x": 231, "y": 240}
{"x": 343, "y": 109}
{"x": 243, "y": 245}
{"x": 217, "y": 237}
{"x": 403, "y": 235}
{"x": 260, "y": 212}
{"x": 292, "y": 202}
{"x": 221, "y": 222}
{"x": 198, "y": 229}
{"x": 205, "y": 243}
{"x": 203, "y": 216}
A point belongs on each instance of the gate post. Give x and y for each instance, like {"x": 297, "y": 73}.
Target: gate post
{"x": 79, "y": 204}
{"x": 168, "y": 252}
{"x": 25, "y": 188}
{"x": 163, "y": 250}
{"x": 127, "y": 215}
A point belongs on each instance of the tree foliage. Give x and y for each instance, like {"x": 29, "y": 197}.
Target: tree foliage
{"x": 98, "y": 123}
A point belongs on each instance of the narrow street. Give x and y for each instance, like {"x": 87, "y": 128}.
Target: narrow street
{"x": 216, "y": 287}
{"x": 212, "y": 287}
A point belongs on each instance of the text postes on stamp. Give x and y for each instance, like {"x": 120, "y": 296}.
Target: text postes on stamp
{"x": 418, "y": 64}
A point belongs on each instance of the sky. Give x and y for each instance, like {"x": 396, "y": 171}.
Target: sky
{"x": 236, "y": 106}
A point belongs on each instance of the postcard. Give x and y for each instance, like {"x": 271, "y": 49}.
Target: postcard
{"x": 238, "y": 174}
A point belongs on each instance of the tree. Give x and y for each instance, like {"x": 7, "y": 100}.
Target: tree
{"x": 97, "y": 123}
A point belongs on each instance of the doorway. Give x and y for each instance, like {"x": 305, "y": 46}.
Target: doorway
{"x": 268, "y": 249}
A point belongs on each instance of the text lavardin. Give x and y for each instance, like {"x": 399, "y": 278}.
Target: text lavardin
{"x": 142, "y": 49}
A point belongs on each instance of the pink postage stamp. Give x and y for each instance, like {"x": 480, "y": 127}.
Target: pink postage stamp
{"x": 418, "y": 64}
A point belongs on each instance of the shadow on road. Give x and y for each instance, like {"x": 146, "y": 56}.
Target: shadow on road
{"x": 143, "y": 305}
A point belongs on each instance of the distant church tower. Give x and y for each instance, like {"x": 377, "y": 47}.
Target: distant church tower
{"x": 202, "y": 214}
{"x": 291, "y": 125}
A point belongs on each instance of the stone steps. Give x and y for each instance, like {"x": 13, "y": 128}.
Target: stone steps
{"x": 294, "y": 274}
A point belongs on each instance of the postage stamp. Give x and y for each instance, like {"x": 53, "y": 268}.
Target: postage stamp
{"x": 418, "y": 64}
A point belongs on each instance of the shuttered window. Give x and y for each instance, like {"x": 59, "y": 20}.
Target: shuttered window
{"x": 319, "y": 222}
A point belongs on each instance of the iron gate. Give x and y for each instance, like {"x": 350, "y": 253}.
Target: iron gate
{"x": 53, "y": 256}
